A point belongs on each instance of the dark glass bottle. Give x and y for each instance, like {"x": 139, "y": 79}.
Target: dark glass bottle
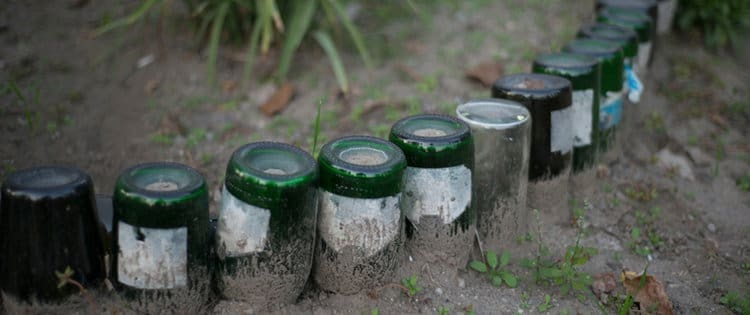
{"x": 548, "y": 98}
{"x": 611, "y": 58}
{"x": 584, "y": 74}
{"x": 637, "y": 21}
{"x": 437, "y": 187}
{"x": 360, "y": 221}
{"x": 266, "y": 227}
{"x": 160, "y": 235}
{"x": 48, "y": 223}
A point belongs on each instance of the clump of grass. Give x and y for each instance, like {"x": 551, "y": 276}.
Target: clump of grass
{"x": 737, "y": 302}
{"x": 260, "y": 24}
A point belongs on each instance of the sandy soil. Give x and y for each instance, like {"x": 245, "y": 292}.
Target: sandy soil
{"x": 98, "y": 110}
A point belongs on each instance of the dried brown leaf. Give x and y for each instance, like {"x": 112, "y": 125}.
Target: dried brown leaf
{"x": 278, "y": 101}
{"x": 485, "y": 72}
{"x": 603, "y": 286}
{"x": 650, "y": 296}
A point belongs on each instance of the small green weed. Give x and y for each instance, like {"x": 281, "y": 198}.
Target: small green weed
{"x": 641, "y": 192}
{"x": 495, "y": 270}
{"x": 743, "y": 183}
{"x": 737, "y": 302}
{"x": 410, "y": 283}
{"x": 162, "y": 138}
{"x": 195, "y": 136}
{"x": 525, "y": 301}
{"x": 562, "y": 273}
{"x": 443, "y": 310}
{"x": 655, "y": 122}
{"x": 545, "y": 305}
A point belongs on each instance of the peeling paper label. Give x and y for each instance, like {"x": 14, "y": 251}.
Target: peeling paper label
{"x": 633, "y": 85}
{"x": 561, "y": 137}
{"x": 151, "y": 258}
{"x": 610, "y": 111}
{"x": 644, "y": 54}
{"x": 366, "y": 224}
{"x": 583, "y": 102}
{"x": 440, "y": 192}
{"x": 242, "y": 228}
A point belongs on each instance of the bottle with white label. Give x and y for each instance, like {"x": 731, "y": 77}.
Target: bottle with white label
{"x": 584, "y": 73}
{"x": 266, "y": 226}
{"x": 160, "y": 234}
{"x": 611, "y": 58}
{"x": 638, "y": 21}
{"x": 501, "y": 132}
{"x": 48, "y": 224}
{"x": 360, "y": 223}
{"x": 436, "y": 194}
{"x": 548, "y": 98}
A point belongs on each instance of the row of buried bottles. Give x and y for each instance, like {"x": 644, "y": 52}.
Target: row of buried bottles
{"x": 346, "y": 218}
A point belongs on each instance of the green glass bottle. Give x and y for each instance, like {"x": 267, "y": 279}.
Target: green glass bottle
{"x": 160, "y": 235}
{"x": 584, "y": 74}
{"x": 635, "y": 20}
{"x": 436, "y": 198}
{"x": 266, "y": 227}
{"x": 360, "y": 221}
{"x": 611, "y": 58}
{"x": 548, "y": 98}
{"x": 626, "y": 37}
{"x": 48, "y": 223}
{"x": 628, "y": 40}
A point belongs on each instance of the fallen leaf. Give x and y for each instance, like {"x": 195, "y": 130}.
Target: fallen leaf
{"x": 485, "y": 72}
{"x": 171, "y": 125}
{"x": 720, "y": 120}
{"x": 278, "y": 101}
{"x": 151, "y": 86}
{"x": 228, "y": 85}
{"x": 602, "y": 171}
{"x": 650, "y": 295}
{"x": 603, "y": 286}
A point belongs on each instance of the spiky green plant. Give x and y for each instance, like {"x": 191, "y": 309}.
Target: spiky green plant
{"x": 260, "y": 24}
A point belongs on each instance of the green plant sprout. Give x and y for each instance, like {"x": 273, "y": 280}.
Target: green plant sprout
{"x": 443, "y": 310}
{"x": 545, "y": 305}
{"x": 743, "y": 183}
{"x": 495, "y": 270}
{"x": 410, "y": 283}
{"x": 562, "y": 273}
{"x": 737, "y": 302}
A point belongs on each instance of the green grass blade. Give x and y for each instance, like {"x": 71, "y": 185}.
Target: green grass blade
{"x": 353, "y": 32}
{"x": 252, "y": 48}
{"x": 213, "y": 44}
{"x": 298, "y": 25}
{"x": 13, "y": 87}
{"x": 338, "y": 68}
{"x": 130, "y": 19}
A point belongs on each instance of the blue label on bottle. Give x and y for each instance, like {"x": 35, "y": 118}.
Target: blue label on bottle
{"x": 610, "y": 112}
{"x": 633, "y": 85}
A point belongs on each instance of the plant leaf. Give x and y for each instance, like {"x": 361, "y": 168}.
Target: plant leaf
{"x": 509, "y": 279}
{"x": 338, "y": 68}
{"x": 551, "y": 273}
{"x": 491, "y": 259}
{"x": 353, "y": 32}
{"x": 505, "y": 258}
{"x": 252, "y": 48}
{"x": 213, "y": 44}
{"x": 478, "y": 266}
{"x": 298, "y": 25}
{"x": 130, "y": 19}
{"x": 497, "y": 281}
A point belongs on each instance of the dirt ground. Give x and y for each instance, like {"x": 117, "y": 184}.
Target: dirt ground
{"x": 136, "y": 95}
